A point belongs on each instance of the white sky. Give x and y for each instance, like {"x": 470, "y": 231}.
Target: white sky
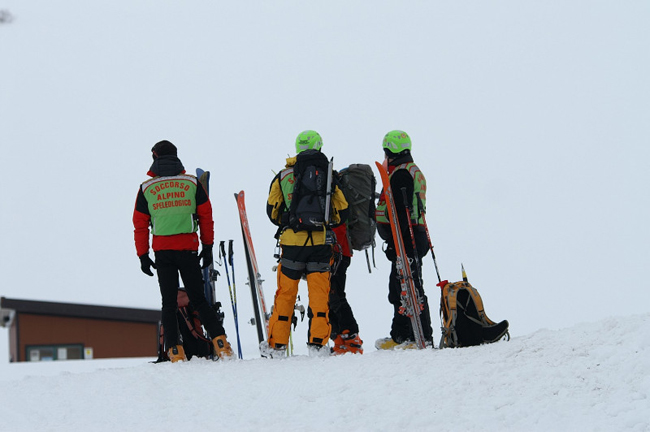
{"x": 529, "y": 119}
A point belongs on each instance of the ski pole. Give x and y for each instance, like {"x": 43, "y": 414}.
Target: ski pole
{"x": 234, "y": 294}
{"x": 422, "y": 212}
{"x": 410, "y": 224}
{"x": 222, "y": 253}
{"x": 416, "y": 259}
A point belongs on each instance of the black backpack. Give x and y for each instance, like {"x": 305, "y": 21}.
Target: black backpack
{"x": 308, "y": 202}
{"x": 195, "y": 341}
{"x": 359, "y": 184}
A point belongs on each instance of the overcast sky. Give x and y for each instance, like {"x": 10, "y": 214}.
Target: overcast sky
{"x": 530, "y": 121}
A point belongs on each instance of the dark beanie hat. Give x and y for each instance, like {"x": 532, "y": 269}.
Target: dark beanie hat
{"x": 163, "y": 148}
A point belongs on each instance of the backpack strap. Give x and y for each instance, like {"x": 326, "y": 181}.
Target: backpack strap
{"x": 191, "y": 325}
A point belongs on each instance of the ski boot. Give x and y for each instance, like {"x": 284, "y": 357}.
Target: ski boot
{"x": 389, "y": 344}
{"x": 347, "y": 343}
{"x": 222, "y": 348}
{"x": 386, "y": 343}
{"x": 280, "y": 351}
{"x": 176, "y": 353}
{"x": 316, "y": 350}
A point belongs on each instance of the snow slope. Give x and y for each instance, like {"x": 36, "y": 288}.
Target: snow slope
{"x": 590, "y": 377}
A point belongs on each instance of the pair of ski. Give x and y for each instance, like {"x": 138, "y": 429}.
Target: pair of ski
{"x": 412, "y": 303}
{"x": 261, "y": 317}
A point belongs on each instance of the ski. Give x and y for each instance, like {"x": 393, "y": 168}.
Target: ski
{"x": 412, "y": 304}
{"x": 261, "y": 318}
{"x": 209, "y": 273}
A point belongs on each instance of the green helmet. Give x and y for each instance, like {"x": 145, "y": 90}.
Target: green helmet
{"x": 397, "y": 141}
{"x": 308, "y": 140}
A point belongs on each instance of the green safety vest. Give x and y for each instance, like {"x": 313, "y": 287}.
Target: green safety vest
{"x": 287, "y": 181}
{"x": 172, "y": 204}
{"x": 419, "y": 187}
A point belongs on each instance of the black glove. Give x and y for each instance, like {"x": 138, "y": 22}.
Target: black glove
{"x": 390, "y": 253}
{"x": 206, "y": 254}
{"x": 146, "y": 263}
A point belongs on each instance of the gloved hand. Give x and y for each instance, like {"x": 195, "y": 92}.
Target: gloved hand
{"x": 390, "y": 253}
{"x": 146, "y": 263}
{"x": 206, "y": 255}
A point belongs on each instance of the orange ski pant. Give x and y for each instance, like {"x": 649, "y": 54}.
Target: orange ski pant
{"x": 318, "y": 285}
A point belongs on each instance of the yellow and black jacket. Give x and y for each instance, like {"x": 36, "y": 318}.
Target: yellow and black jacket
{"x": 279, "y": 202}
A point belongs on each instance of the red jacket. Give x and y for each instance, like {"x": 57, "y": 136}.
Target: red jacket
{"x": 171, "y": 166}
{"x": 341, "y": 232}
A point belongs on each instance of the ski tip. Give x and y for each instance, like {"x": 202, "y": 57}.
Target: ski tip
{"x": 381, "y": 166}
{"x": 202, "y": 174}
{"x": 462, "y": 269}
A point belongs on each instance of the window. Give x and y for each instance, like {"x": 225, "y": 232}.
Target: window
{"x": 55, "y": 352}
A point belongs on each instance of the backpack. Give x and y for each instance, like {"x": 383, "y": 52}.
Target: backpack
{"x": 307, "y": 211}
{"x": 195, "y": 341}
{"x": 358, "y": 184}
{"x": 464, "y": 322}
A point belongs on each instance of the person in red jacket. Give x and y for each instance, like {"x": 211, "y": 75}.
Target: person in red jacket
{"x": 174, "y": 205}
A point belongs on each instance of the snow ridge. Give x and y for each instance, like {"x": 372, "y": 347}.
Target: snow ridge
{"x": 587, "y": 377}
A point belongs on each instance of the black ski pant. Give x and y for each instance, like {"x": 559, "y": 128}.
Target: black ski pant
{"x": 171, "y": 263}
{"x": 341, "y": 316}
{"x": 401, "y": 328}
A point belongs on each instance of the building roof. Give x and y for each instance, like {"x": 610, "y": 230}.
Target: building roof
{"x": 81, "y": 310}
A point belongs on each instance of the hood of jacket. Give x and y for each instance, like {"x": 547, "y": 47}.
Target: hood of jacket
{"x": 291, "y": 161}
{"x": 165, "y": 166}
{"x": 401, "y": 160}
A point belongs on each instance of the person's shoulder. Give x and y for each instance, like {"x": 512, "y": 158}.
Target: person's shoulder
{"x": 284, "y": 173}
{"x": 291, "y": 161}
{"x": 187, "y": 176}
{"x": 401, "y": 171}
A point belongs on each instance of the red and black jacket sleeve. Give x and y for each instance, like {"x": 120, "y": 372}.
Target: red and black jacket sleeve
{"x": 204, "y": 213}
{"x": 141, "y": 222}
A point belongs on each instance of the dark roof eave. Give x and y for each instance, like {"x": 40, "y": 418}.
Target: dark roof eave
{"x": 81, "y": 310}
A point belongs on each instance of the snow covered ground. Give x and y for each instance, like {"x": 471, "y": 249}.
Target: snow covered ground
{"x": 590, "y": 377}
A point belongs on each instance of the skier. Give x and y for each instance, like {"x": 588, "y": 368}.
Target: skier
{"x": 345, "y": 329}
{"x": 404, "y": 174}
{"x": 175, "y": 205}
{"x": 304, "y": 249}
